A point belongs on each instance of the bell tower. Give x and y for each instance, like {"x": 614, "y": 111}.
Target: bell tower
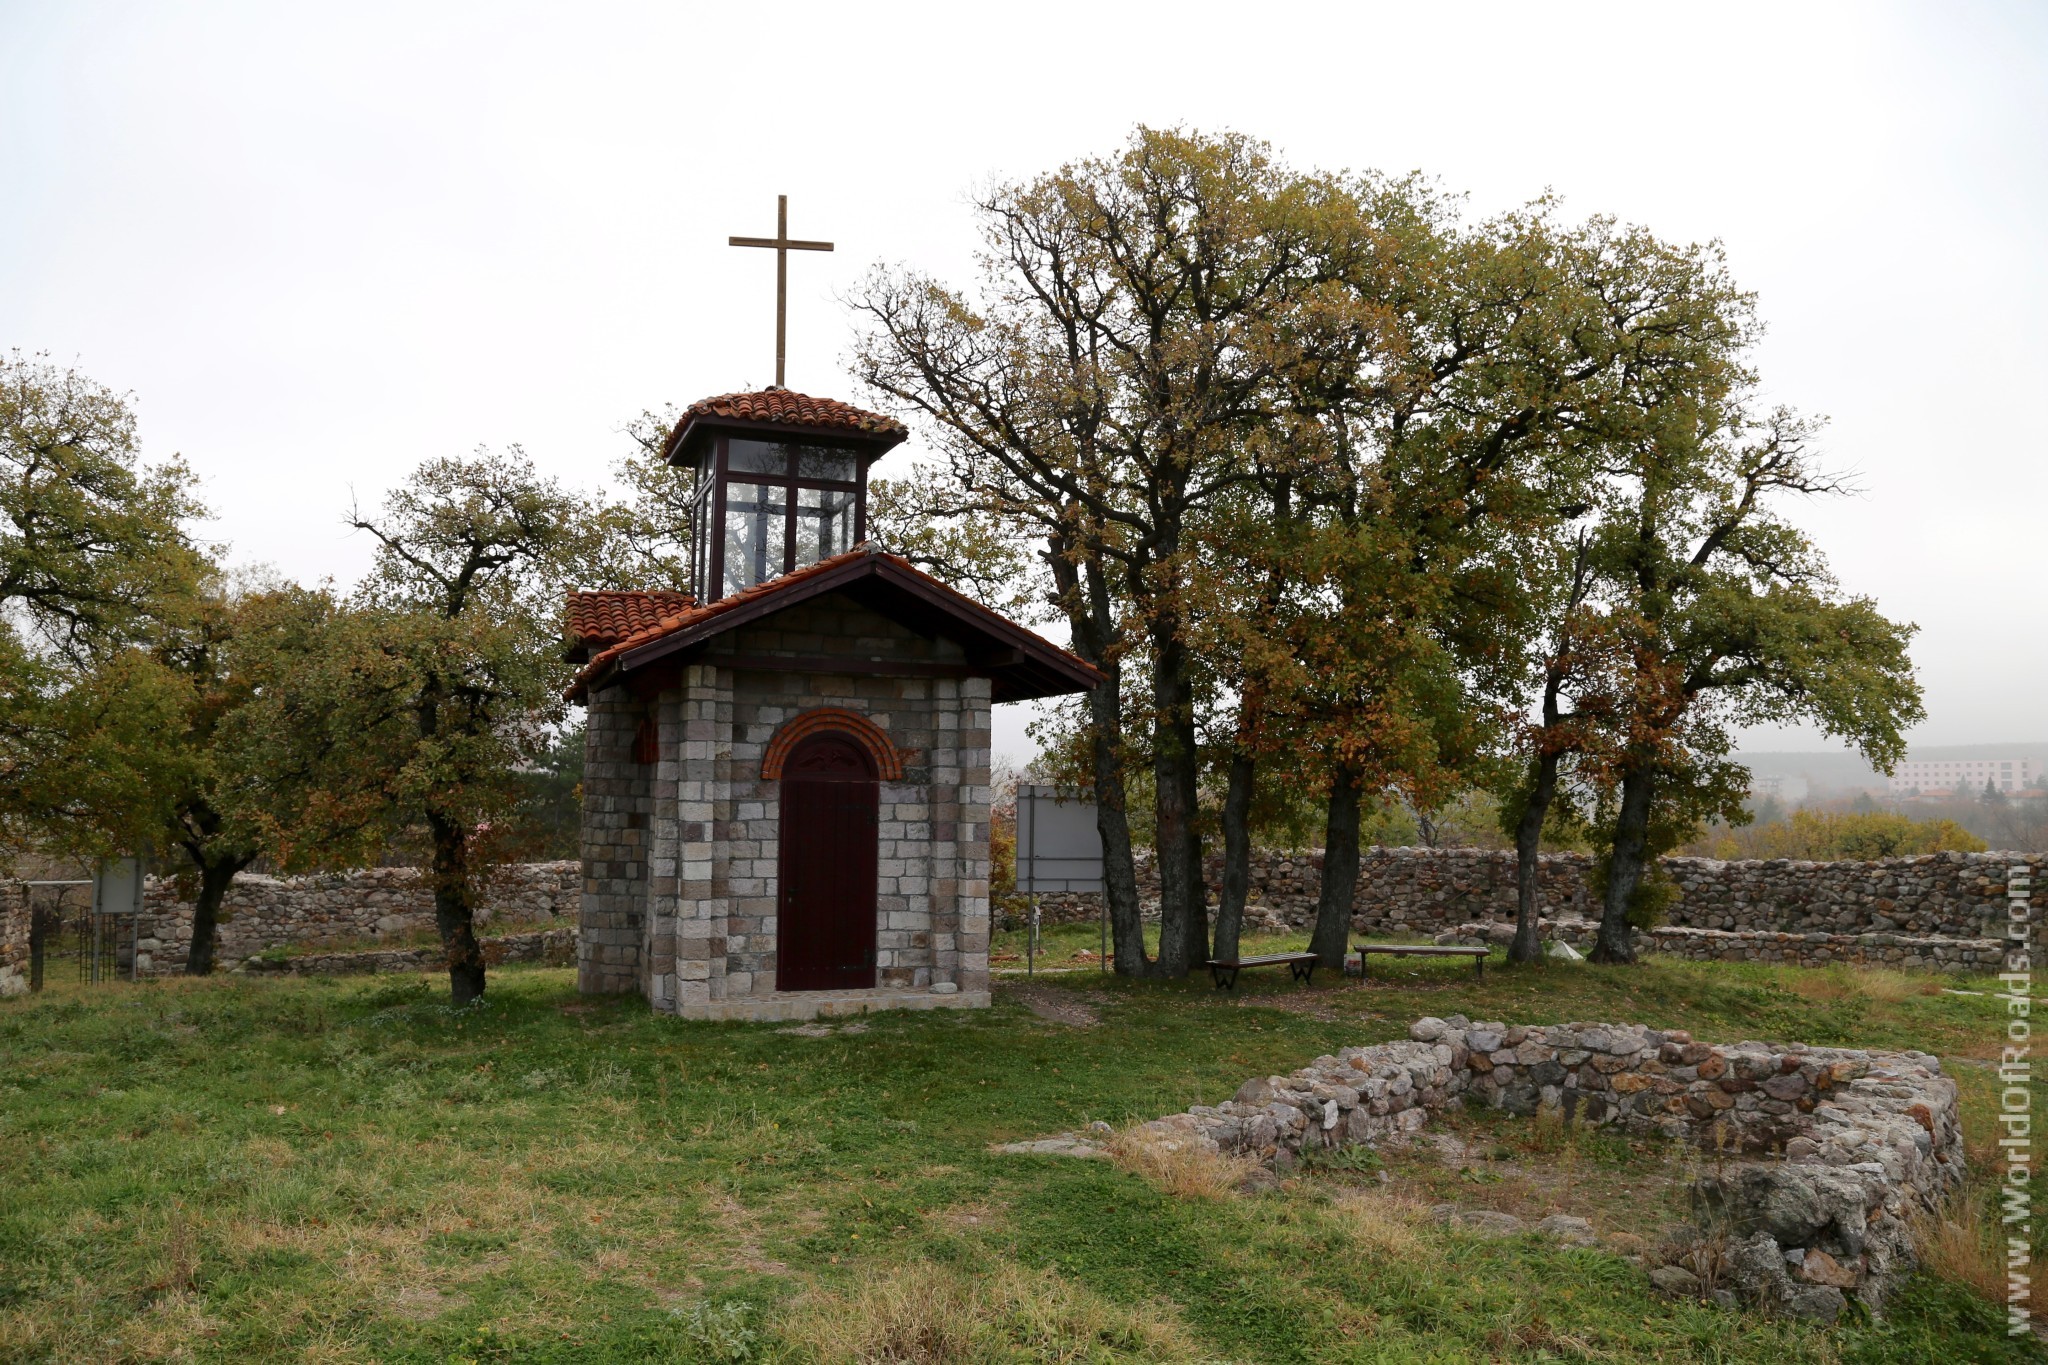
{"x": 781, "y": 482}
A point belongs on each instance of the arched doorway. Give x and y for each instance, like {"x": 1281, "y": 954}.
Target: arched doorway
{"x": 825, "y": 926}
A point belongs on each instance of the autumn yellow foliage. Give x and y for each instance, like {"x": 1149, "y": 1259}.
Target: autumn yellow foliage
{"x": 1833, "y": 835}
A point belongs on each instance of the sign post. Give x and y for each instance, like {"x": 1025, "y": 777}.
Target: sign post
{"x": 1059, "y": 849}
{"x": 117, "y": 895}
{"x": 1031, "y": 915}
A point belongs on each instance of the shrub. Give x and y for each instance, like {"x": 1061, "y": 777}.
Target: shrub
{"x": 1830, "y": 836}
{"x": 1651, "y": 900}
{"x": 720, "y": 1333}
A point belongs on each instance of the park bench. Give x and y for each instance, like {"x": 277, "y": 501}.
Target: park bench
{"x": 1223, "y": 971}
{"x": 1478, "y": 955}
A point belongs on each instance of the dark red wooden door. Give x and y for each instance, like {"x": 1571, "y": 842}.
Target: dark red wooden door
{"x": 825, "y": 936}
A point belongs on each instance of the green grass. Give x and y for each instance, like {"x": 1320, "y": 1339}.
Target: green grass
{"x": 1074, "y": 947}
{"x": 344, "y": 1169}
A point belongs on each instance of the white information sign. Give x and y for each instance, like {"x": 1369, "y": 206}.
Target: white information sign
{"x": 1058, "y": 845}
{"x": 117, "y": 887}
{"x": 117, "y": 912}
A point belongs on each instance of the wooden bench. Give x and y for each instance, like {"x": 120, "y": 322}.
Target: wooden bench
{"x": 1224, "y": 972}
{"x": 1478, "y": 955}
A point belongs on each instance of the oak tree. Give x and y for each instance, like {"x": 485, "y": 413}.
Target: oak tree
{"x": 94, "y": 543}
{"x": 1731, "y": 617}
{"x": 457, "y": 676}
{"x": 1099, "y": 391}
{"x": 96, "y": 553}
{"x": 159, "y": 746}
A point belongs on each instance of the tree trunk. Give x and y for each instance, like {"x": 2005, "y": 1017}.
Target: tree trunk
{"x": 1237, "y": 853}
{"x": 1329, "y": 940}
{"x": 455, "y": 909}
{"x": 1113, "y": 823}
{"x": 1616, "y": 942}
{"x": 1241, "y": 784}
{"x": 1092, "y": 619}
{"x": 215, "y": 876}
{"x": 1183, "y": 903}
{"x": 1528, "y": 945}
{"x": 1550, "y": 741}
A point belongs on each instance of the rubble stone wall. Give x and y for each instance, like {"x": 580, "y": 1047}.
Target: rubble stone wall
{"x": 261, "y": 913}
{"x": 555, "y": 947}
{"x": 1971, "y": 955}
{"x": 1937, "y": 911}
{"x": 1826, "y": 1152}
{"x": 1418, "y": 891}
{"x": 14, "y": 913}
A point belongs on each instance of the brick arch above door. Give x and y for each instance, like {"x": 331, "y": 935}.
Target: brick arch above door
{"x": 869, "y": 736}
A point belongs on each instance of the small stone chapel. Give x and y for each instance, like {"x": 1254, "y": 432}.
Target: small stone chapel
{"x": 786, "y": 774}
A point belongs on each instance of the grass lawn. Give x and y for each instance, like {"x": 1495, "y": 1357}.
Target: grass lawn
{"x": 344, "y": 1169}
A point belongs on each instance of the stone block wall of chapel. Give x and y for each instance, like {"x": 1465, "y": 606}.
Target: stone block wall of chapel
{"x": 618, "y": 802}
{"x": 707, "y": 865}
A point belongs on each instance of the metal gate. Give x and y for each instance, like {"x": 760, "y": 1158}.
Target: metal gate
{"x": 91, "y": 926}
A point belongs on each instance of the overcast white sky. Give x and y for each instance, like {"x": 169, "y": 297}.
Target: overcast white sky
{"x": 322, "y": 243}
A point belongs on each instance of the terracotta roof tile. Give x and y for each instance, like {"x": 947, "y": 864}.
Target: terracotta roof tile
{"x": 785, "y": 408}
{"x": 598, "y": 619}
{"x": 796, "y": 409}
{"x": 690, "y": 614}
{"x": 962, "y": 607}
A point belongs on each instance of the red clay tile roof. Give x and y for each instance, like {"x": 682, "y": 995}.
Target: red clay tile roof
{"x": 784, "y": 408}
{"x": 598, "y": 619}
{"x": 1079, "y": 674}
{"x": 690, "y": 616}
{"x": 796, "y": 409}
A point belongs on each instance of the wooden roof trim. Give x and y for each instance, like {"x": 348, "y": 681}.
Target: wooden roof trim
{"x": 1040, "y": 659}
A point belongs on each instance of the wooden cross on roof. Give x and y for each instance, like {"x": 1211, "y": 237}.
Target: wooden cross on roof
{"x": 783, "y": 246}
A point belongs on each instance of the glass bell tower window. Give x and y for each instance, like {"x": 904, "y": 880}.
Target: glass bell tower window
{"x": 765, "y": 507}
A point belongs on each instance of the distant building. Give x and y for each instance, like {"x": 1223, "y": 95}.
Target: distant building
{"x": 1790, "y": 790}
{"x": 1966, "y": 776}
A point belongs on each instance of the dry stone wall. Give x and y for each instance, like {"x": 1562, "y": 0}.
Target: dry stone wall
{"x": 264, "y": 913}
{"x": 1974, "y": 955}
{"x": 14, "y": 915}
{"x": 555, "y": 947}
{"x": 1940, "y": 911}
{"x": 1423, "y": 891}
{"x": 1826, "y": 1153}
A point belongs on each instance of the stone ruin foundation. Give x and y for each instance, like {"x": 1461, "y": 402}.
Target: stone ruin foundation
{"x": 1823, "y": 1155}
